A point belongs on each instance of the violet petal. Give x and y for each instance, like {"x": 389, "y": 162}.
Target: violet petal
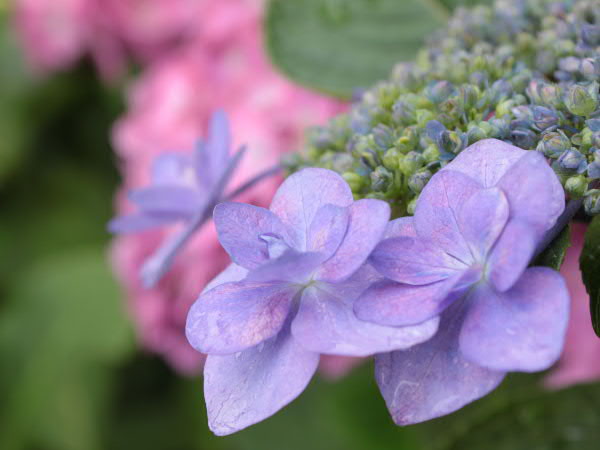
{"x": 368, "y": 222}
{"x": 432, "y": 379}
{"x": 240, "y": 227}
{"x": 521, "y": 329}
{"x": 243, "y": 389}
{"x": 302, "y": 194}
{"x": 326, "y": 323}
{"x": 236, "y": 316}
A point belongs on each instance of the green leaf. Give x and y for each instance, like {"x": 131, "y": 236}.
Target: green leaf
{"x": 62, "y": 327}
{"x": 338, "y": 46}
{"x": 554, "y": 255}
{"x": 520, "y": 415}
{"x": 590, "y": 270}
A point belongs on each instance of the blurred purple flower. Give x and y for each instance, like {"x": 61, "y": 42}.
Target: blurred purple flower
{"x": 288, "y": 297}
{"x": 183, "y": 189}
{"x": 464, "y": 258}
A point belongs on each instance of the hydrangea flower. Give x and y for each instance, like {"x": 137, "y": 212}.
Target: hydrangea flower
{"x": 464, "y": 258}
{"x": 183, "y": 189}
{"x": 288, "y": 297}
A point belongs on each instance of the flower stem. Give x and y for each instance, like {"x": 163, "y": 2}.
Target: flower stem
{"x": 160, "y": 262}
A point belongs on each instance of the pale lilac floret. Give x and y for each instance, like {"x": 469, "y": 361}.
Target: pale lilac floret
{"x": 464, "y": 258}
{"x": 184, "y": 189}
{"x": 288, "y": 297}
{"x": 182, "y": 183}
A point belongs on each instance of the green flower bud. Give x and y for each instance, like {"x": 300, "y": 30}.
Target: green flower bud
{"x": 552, "y": 145}
{"x": 354, "y": 180}
{"x": 412, "y": 205}
{"x": 582, "y": 101}
{"x": 410, "y": 163}
{"x": 391, "y": 159}
{"x": 418, "y": 180}
{"x": 431, "y": 153}
{"x": 591, "y": 202}
{"x": 423, "y": 116}
{"x": 576, "y": 186}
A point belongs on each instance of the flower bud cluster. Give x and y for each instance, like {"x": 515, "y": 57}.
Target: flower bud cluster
{"x": 523, "y": 71}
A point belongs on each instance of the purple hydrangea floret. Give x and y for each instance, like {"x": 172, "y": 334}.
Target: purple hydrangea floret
{"x": 288, "y": 297}
{"x": 464, "y": 258}
{"x": 184, "y": 189}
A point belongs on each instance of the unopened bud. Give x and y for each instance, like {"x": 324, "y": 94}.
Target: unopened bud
{"x": 418, "y": 180}
{"x": 582, "y": 101}
{"x": 576, "y": 186}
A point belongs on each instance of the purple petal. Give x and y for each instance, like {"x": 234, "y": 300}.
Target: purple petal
{"x": 522, "y": 329}
{"x": 395, "y": 304}
{"x": 325, "y": 323}
{"x": 172, "y": 169}
{"x": 432, "y": 379}
{"x": 174, "y": 200}
{"x": 533, "y": 189}
{"x": 232, "y": 273}
{"x": 302, "y": 194}
{"x": 534, "y": 192}
{"x": 512, "y": 254}
{"x": 240, "y": 228}
{"x": 328, "y": 229}
{"x": 243, "y": 389}
{"x": 138, "y": 222}
{"x": 212, "y": 155}
{"x": 236, "y": 316}
{"x": 436, "y": 215}
{"x": 291, "y": 267}
{"x": 413, "y": 261}
{"x": 486, "y": 161}
{"x": 368, "y": 222}
{"x": 482, "y": 219}
{"x": 402, "y": 227}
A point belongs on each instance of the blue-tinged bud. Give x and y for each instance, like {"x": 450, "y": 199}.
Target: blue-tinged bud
{"x": 403, "y": 112}
{"x": 501, "y": 90}
{"x": 592, "y": 201}
{"x": 383, "y": 136}
{"x": 381, "y": 179}
{"x": 410, "y": 163}
{"x": 500, "y": 128}
{"x": 593, "y": 124}
{"x": 552, "y": 145}
{"x": 593, "y": 170}
{"x": 572, "y": 161}
{"x": 438, "y": 91}
{"x": 341, "y": 162}
{"x": 590, "y": 34}
{"x": 569, "y": 64}
{"x": 435, "y": 131}
{"x": 418, "y": 180}
{"x": 576, "y": 186}
{"x": 544, "y": 118}
{"x": 590, "y": 68}
{"x": 582, "y": 100}
{"x": 524, "y": 138}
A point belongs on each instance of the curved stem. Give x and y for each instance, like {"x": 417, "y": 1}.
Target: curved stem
{"x": 160, "y": 262}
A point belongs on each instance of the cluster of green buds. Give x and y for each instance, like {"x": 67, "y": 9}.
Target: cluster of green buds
{"x": 523, "y": 71}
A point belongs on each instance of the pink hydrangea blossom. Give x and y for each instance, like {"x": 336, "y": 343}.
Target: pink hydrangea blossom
{"x": 168, "y": 107}
{"x": 580, "y": 361}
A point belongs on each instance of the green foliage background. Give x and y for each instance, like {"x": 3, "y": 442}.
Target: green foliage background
{"x": 71, "y": 377}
